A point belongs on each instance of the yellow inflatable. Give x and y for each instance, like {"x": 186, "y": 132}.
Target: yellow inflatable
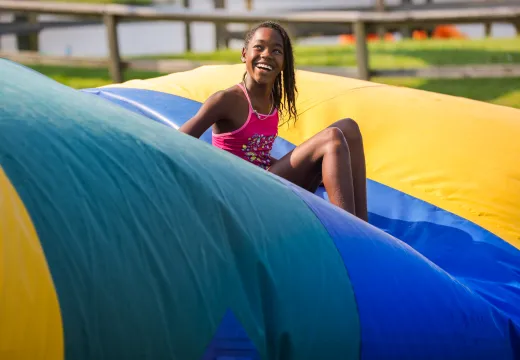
{"x": 458, "y": 154}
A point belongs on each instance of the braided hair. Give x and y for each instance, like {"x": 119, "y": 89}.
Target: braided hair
{"x": 284, "y": 90}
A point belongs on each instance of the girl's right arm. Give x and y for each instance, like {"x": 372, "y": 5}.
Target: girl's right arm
{"x": 213, "y": 109}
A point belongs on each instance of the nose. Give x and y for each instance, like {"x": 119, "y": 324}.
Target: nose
{"x": 266, "y": 53}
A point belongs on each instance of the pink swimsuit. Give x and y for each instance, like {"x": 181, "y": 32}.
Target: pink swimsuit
{"x": 254, "y": 140}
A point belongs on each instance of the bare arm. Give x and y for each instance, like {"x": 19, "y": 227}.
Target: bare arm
{"x": 213, "y": 109}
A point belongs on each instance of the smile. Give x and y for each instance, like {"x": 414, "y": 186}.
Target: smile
{"x": 264, "y": 67}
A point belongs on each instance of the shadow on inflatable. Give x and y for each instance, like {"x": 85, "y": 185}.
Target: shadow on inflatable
{"x": 122, "y": 238}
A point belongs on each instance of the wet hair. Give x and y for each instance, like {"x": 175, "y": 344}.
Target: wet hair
{"x": 284, "y": 90}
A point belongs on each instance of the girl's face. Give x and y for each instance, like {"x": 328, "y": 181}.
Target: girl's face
{"x": 263, "y": 56}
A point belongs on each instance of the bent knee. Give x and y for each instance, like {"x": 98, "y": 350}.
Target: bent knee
{"x": 350, "y": 129}
{"x": 333, "y": 139}
{"x": 333, "y": 134}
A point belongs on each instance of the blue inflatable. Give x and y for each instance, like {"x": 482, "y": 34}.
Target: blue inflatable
{"x": 122, "y": 238}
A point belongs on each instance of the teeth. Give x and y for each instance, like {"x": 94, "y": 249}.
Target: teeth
{"x": 263, "y": 66}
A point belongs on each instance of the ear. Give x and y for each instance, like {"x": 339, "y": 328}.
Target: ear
{"x": 243, "y": 58}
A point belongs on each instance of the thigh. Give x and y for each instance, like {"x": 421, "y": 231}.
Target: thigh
{"x": 302, "y": 166}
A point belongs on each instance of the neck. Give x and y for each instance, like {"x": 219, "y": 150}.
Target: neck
{"x": 258, "y": 90}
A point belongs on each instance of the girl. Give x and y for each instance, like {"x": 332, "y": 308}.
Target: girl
{"x": 245, "y": 122}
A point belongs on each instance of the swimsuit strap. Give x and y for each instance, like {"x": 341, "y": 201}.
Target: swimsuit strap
{"x": 271, "y": 112}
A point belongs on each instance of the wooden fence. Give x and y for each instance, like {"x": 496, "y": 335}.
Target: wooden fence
{"x": 360, "y": 21}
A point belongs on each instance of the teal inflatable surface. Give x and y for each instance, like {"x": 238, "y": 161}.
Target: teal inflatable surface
{"x": 162, "y": 247}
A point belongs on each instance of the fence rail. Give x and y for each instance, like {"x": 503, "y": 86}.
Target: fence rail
{"x": 399, "y": 17}
{"x": 360, "y": 21}
{"x": 176, "y": 65}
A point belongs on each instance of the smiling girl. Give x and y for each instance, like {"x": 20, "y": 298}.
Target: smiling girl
{"x": 245, "y": 120}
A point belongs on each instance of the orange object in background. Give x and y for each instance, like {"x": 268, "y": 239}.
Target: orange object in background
{"x": 440, "y": 32}
{"x": 419, "y": 35}
{"x": 346, "y": 39}
{"x": 389, "y": 37}
{"x": 350, "y": 38}
{"x": 447, "y": 32}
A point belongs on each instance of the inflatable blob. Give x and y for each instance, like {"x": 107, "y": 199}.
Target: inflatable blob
{"x": 121, "y": 238}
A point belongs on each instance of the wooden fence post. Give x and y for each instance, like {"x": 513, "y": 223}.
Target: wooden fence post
{"x": 380, "y": 6}
{"x": 487, "y": 29}
{"x": 361, "y": 50}
{"x": 113, "y": 46}
{"x": 27, "y": 41}
{"x": 249, "y": 7}
{"x": 406, "y": 31}
{"x": 187, "y": 28}
{"x": 221, "y": 35}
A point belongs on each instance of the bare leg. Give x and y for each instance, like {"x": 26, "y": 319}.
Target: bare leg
{"x": 350, "y": 130}
{"x": 325, "y": 154}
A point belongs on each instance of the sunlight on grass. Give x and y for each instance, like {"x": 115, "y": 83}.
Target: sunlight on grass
{"x": 81, "y": 78}
{"x": 80, "y": 82}
{"x": 389, "y": 61}
{"x": 504, "y": 91}
{"x": 511, "y": 99}
{"x": 385, "y": 55}
{"x": 406, "y": 82}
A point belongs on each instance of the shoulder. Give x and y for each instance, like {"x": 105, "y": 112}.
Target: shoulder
{"x": 227, "y": 104}
{"x": 229, "y": 96}
{"x": 221, "y": 107}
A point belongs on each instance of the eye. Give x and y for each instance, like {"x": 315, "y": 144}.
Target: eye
{"x": 277, "y": 51}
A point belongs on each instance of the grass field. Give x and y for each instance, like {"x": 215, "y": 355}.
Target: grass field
{"x": 387, "y": 55}
{"x": 404, "y": 54}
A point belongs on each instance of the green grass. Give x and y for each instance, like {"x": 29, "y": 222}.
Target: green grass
{"x": 500, "y": 91}
{"x": 81, "y": 78}
{"x": 504, "y": 91}
{"x": 386, "y": 55}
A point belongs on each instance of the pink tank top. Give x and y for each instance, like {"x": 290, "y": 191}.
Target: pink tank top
{"x": 254, "y": 140}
